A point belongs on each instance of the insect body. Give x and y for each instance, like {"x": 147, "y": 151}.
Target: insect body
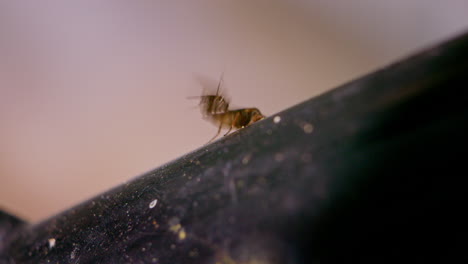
{"x": 237, "y": 119}
{"x": 215, "y": 108}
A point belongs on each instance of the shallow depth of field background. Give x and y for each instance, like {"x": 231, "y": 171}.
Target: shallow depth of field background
{"x": 93, "y": 93}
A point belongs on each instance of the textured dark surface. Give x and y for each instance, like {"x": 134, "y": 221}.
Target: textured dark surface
{"x": 371, "y": 172}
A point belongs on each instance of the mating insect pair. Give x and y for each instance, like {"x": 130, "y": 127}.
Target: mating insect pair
{"x": 215, "y": 108}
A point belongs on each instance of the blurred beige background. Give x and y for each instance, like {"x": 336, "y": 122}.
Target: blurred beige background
{"x": 93, "y": 93}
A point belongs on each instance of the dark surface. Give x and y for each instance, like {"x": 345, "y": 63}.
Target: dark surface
{"x": 371, "y": 172}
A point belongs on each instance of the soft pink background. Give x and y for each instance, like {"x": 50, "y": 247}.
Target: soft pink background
{"x": 93, "y": 93}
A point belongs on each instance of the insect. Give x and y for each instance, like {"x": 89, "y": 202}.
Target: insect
{"x": 215, "y": 108}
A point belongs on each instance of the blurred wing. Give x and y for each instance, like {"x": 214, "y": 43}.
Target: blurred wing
{"x": 210, "y": 86}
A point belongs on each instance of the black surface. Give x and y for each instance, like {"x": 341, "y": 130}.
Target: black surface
{"x": 371, "y": 172}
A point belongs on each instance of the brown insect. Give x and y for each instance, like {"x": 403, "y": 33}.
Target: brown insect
{"x": 215, "y": 108}
{"x": 237, "y": 119}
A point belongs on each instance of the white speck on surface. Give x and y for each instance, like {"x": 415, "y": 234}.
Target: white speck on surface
{"x": 51, "y": 243}
{"x": 153, "y": 203}
{"x": 182, "y": 234}
{"x": 277, "y": 119}
{"x": 308, "y": 128}
{"x": 73, "y": 253}
{"x": 246, "y": 159}
{"x": 279, "y": 157}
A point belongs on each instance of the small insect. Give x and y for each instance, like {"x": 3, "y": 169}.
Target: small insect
{"x": 215, "y": 108}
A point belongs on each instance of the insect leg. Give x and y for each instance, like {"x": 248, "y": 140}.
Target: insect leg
{"x": 233, "y": 122}
{"x": 217, "y": 134}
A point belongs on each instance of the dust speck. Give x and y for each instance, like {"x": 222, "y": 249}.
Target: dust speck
{"x": 73, "y": 253}
{"x": 51, "y": 243}
{"x": 279, "y": 157}
{"x": 308, "y": 128}
{"x": 277, "y": 119}
{"x": 153, "y": 203}
{"x": 155, "y": 224}
{"x": 240, "y": 183}
{"x": 246, "y": 159}
{"x": 182, "y": 234}
{"x": 175, "y": 228}
{"x": 193, "y": 253}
